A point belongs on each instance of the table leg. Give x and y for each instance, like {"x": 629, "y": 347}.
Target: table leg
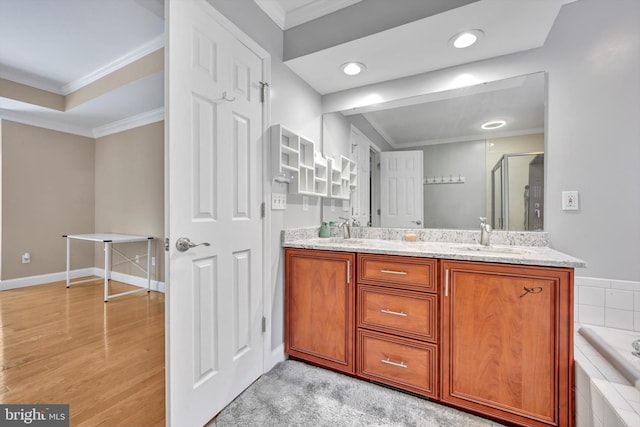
{"x": 107, "y": 268}
{"x": 148, "y": 265}
{"x": 68, "y": 260}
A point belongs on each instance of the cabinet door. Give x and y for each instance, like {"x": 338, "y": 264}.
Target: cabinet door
{"x": 319, "y": 312}
{"x": 506, "y": 348}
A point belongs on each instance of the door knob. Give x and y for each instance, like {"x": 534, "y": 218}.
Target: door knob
{"x": 417, "y": 222}
{"x": 183, "y": 244}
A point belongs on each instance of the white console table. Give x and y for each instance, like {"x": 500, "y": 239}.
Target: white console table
{"x": 109, "y": 239}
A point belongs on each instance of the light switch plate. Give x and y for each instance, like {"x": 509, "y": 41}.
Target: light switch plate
{"x": 570, "y": 201}
{"x": 278, "y": 201}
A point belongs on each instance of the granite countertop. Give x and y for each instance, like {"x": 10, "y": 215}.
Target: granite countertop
{"x": 463, "y": 248}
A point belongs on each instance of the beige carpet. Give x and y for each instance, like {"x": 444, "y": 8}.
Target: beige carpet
{"x": 297, "y": 394}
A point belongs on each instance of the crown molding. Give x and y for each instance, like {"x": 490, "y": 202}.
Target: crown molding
{"x": 139, "y": 52}
{"x": 273, "y": 11}
{"x": 108, "y": 129}
{"x": 315, "y": 10}
{"x": 28, "y": 79}
{"x": 302, "y": 14}
{"x": 374, "y": 124}
{"x": 30, "y": 120}
{"x": 467, "y": 138}
{"x": 129, "y": 123}
{"x": 40, "y": 83}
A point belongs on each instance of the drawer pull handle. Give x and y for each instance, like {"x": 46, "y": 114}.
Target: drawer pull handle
{"x": 395, "y": 313}
{"x": 392, "y": 363}
{"x": 401, "y": 273}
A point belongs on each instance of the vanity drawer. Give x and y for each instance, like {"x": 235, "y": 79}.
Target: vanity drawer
{"x": 403, "y": 363}
{"x": 407, "y": 313}
{"x": 410, "y": 272}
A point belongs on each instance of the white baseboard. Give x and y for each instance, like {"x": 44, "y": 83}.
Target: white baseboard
{"x": 23, "y": 282}
{"x": 277, "y": 356}
{"x": 132, "y": 280}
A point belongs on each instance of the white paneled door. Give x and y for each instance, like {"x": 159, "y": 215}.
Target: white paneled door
{"x": 401, "y": 191}
{"x": 214, "y": 128}
{"x": 361, "y": 198}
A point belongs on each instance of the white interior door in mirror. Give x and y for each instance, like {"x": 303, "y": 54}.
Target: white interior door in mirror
{"x": 361, "y": 198}
{"x": 401, "y": 189}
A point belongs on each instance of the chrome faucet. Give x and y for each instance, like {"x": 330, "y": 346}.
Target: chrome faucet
{"x": 485, "y": 231}
{"x": 346, "y": 228}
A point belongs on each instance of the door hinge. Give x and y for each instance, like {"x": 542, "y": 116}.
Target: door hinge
{"x": 264, "y": 324}
{"x": 166, "y": 244}
{"x": 263, "y": 91}
{"x": 263, "y": 209}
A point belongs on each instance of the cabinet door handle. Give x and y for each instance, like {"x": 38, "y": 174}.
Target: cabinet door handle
{"x": 446, "y": 283}
{"x": 392, "y": 363}
{"x": 395, "y": 313}
{"x": 401, "y": 273}
{"x": 348, "y": 272}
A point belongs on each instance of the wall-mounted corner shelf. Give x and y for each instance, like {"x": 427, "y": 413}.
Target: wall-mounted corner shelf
{"x": 343, "y": 178}
{"x": 295, "y": 157}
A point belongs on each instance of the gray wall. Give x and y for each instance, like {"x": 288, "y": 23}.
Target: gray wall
{"x": 455, "y": 205}
{"x": 355, "y": 22}
{"x": 593, "y": 132}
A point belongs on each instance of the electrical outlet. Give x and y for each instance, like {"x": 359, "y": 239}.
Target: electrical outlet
{"x": 137, "y": 259}
{"x": 305, "y": 203}
{"x": 278, "y": 201}
{"x": 26, "y": 258}
{"x": 570, "y": 201}
{"x": 153, "y": 261}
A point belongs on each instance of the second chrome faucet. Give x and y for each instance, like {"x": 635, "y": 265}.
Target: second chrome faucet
{"x": 485, "y": 231}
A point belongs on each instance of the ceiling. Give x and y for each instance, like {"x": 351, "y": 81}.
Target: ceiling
{"x": 423, "y": 45}
{"x": 63, "y": 45}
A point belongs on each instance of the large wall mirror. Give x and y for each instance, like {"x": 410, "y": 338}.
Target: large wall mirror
{"x": 481, "y": 149}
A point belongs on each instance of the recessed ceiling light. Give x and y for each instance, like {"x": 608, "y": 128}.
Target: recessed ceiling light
{"x": 494, "y": 124}
{"x": 466, "y": 38}
{"x": 353, "y": 68}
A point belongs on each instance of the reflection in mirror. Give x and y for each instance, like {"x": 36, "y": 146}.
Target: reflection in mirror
{"x": 468, "y": 171}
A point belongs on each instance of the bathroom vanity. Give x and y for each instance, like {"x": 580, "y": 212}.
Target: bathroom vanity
{"x": 484, "y": 329}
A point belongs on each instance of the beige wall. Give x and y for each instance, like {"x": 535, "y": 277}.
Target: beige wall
{"x": 31, "y": 95}
{"x": 129, "y": 193}
{"x": 145, "y": 66}
{"x": 47, "y": 191}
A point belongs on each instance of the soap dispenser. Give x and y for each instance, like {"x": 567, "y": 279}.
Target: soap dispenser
{"x": 324, "y": 230}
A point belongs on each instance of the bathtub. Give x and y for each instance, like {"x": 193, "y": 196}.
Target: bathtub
{"x": 607, "y": 377}
{"x": 615, "y": 346}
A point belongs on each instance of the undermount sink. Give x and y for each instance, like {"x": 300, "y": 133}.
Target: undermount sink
{"x": 494, "y": 250}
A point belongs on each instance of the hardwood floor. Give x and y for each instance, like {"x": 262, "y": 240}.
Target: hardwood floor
{"x": 106, "y": 360}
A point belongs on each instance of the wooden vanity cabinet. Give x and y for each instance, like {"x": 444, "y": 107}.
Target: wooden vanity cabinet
{"x": 507, "y": 341}
{"x": 397, "y": 319}
{"x": 320, "y": 307}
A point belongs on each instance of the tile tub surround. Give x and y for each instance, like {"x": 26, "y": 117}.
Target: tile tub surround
{"x": 604, "y": 398}
{"x": 448, "y": 244}
{"x": 609, "y": 303}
